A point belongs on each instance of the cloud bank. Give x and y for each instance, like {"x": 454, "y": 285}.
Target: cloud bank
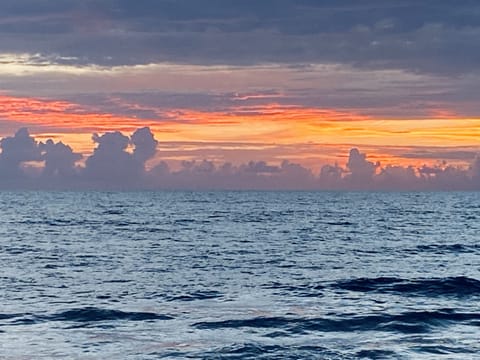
{"x": 431, "y": 36}
{"x": 119, "y": 162}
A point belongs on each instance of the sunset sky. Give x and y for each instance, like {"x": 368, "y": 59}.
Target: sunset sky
{"x": 246, "y": 80}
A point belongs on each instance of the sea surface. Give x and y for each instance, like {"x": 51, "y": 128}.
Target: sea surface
{"x": 239, "y": 275}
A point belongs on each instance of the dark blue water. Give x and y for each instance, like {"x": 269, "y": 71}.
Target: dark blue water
{"x": 239, "y": 275}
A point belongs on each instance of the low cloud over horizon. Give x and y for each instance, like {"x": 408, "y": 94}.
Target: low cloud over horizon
{"x": 119, "y": 162}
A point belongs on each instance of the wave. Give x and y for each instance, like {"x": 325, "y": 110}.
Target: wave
{"x": 84, "y": 315}
{"x": 443, "y": 350}
{"x": 447, "y": 248}
{"x": 197, "y": 295}
{"x": 310, "y": 290}
{"x": 113, "y": 212}
{"x": 407, "y": 322}
{"x": 459, "y": 286}
{"x": 9, "y": 316}
{"x": 89, "y": 314}
{"x": 340, "y": 223}
{"x": 262, "y": 351}
{"x": 375, "y": 354}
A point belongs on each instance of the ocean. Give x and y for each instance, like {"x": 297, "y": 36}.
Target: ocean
{"x": 239, "y": 275}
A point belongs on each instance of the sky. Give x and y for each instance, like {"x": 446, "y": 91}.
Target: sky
{"x": 302, "y": 94}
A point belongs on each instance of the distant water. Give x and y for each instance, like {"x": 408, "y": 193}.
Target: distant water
{"x": 239, "y": 275}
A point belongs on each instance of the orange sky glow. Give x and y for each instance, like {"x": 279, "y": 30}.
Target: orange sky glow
{"x": 263, "y": 126}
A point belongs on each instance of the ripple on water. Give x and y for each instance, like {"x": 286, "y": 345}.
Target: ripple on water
{"x": 459, "y": 286}
{"x": 407, "y": 322}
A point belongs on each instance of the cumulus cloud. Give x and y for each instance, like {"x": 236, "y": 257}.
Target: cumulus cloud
{"x": 111, "y": 165}
{"x": 251, "y": 175}
{"x": 118, "y": 162}
{"x": 110, "y": 160}
{"x": 361, "y": 171}
{"x": 145, "y": 145}
{"x": 331, "y": 176}
{"x": 59, "y": 159}
{"x": 16, "y": 150}
{"x": 393, "y": 177}
{"x": 21, "y": 148}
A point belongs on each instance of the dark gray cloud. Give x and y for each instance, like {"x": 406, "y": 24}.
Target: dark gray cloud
{"x": 422, "y": 36}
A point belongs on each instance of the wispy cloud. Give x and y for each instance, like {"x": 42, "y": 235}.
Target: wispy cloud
{"x": 271, "y": 124}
